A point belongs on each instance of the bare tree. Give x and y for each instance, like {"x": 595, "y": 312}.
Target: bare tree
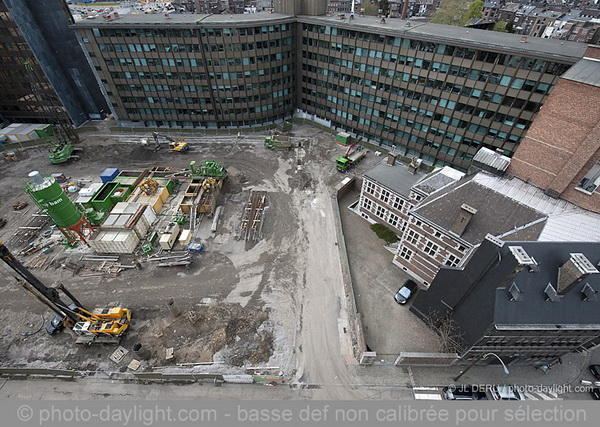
{"x": 445, "y": 327}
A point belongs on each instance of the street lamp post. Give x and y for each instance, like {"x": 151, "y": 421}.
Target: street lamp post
{"x": 482, "y": 357}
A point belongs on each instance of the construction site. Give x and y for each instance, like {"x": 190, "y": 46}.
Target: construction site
{"x": 150, "y": 260}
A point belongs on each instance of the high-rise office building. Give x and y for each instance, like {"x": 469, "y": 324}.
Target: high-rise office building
{"x": 38, "y": 33}
{"x": 433, "y": 91}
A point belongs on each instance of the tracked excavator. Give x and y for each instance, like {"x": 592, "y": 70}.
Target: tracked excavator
{"x": 174, "y": 146}
{"x": 100, "y": 325}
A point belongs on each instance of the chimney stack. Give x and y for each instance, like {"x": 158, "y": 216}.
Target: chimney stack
{"x": 577, "y": 268}
{"x": 391, "y": 158}
{"x": 462, "y": 219}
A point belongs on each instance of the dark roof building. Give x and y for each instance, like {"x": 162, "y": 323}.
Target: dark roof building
{"x": 525, "y": 301}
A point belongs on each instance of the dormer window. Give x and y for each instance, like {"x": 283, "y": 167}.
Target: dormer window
{"x": 591, "y": 181}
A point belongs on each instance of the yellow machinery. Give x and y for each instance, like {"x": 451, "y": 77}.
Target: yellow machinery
{"x": 174, "y": 146}
{"x": 102, "y": 324}
{"x": 149, "y": 186}
{"x": 208, "y": 184}
{"x": 179, "y": 146}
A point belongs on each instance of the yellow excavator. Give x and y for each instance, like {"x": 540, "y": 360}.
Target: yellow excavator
{"x": 174, "y": 146}
{"x": 102, "y": 325}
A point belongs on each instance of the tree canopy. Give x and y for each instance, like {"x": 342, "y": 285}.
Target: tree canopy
{"x": 457, "y": 12}
{"x": 384, "y": 6}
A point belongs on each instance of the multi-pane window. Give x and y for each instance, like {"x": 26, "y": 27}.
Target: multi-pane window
{"x": 406, "y": 253}
{"x": 452, "y": 260}
{"x": 393, "y": 219}
{"x": 431, "y": 248}
{"x": 380, "y": 211}
{"x": 412, "y": 237}
{"x": 398, "y": 203}
{"x": 369, "y": 187}
{"x": 385, "y": 196}
{"x": 367, "y": 204}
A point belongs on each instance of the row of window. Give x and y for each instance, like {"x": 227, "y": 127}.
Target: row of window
{"x": 514, "y": 61}
{"x": 484, "y": 131}
{"x": 189, "y": 32}
{"x": 193, "y": 112}
{"x": 417, "y": 96}
{"x": 203, "y": 88}
{"x": 439, "y": 67}
{"x": 203, "y": 124}
{"x": 407, "y": 137}
{"x": 193, "y": 48}
{"x": 426, "y": 82}
{"x": 385, "y": 196}
{"x": 425, "y": 126}
{"x": 204, "y": 76}
{"x": 203, "y": 101}
{"x": 429, "y": 248}
{"x": 381, "y": 212}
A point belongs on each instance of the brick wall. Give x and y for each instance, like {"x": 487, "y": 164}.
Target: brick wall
{"x": 563, "y": 143}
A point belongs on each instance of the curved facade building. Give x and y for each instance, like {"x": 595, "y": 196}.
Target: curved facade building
{"x": 434, "y": 91}
{"x": 194, "y": 70}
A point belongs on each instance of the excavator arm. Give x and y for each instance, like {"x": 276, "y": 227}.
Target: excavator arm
{"x": 48, "y": 296}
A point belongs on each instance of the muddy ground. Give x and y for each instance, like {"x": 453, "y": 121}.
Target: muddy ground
{"x": 245, "y": 298}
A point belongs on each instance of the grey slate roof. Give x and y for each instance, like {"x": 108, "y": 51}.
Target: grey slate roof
{"x": 397, "y": 178}
{"x": 496, "y": 213}
{"x": 531, "y": 308}
{"x": 566, "y": 221}
{"x": 585, "y": 71}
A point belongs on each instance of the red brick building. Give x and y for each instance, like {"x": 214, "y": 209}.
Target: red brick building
{"x": 561, "y": 151}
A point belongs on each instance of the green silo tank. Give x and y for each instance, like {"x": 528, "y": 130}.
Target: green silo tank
{"x": 48, "y": 195}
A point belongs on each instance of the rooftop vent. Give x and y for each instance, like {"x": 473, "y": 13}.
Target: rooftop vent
{"x": 494, "y": 240}
{"x": 521, "y": 256}
{"x": 391, "y": 158}
{"x": 414, "y": 165}
{"x": 534, "y": 268}
{"x": 515, "y": 292}
{"x": 551, "y": 294}
{"x": 577, "y": 268}
{"x": 589, "y": 293}
{"x": 462, "y": 219}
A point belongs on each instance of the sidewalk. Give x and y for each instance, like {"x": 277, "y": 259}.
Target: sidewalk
{"x": 572, "y": 370}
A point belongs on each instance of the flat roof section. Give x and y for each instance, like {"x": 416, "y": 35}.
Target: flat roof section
{"x": 182, "y": 20}
{"x": 586, "y": 71}
{"x": 488, "y": 40}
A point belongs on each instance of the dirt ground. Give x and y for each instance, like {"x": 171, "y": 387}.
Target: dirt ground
{"x": 246, "y": 300}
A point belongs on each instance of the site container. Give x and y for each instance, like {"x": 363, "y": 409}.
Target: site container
{"x": 109, "y": 174}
